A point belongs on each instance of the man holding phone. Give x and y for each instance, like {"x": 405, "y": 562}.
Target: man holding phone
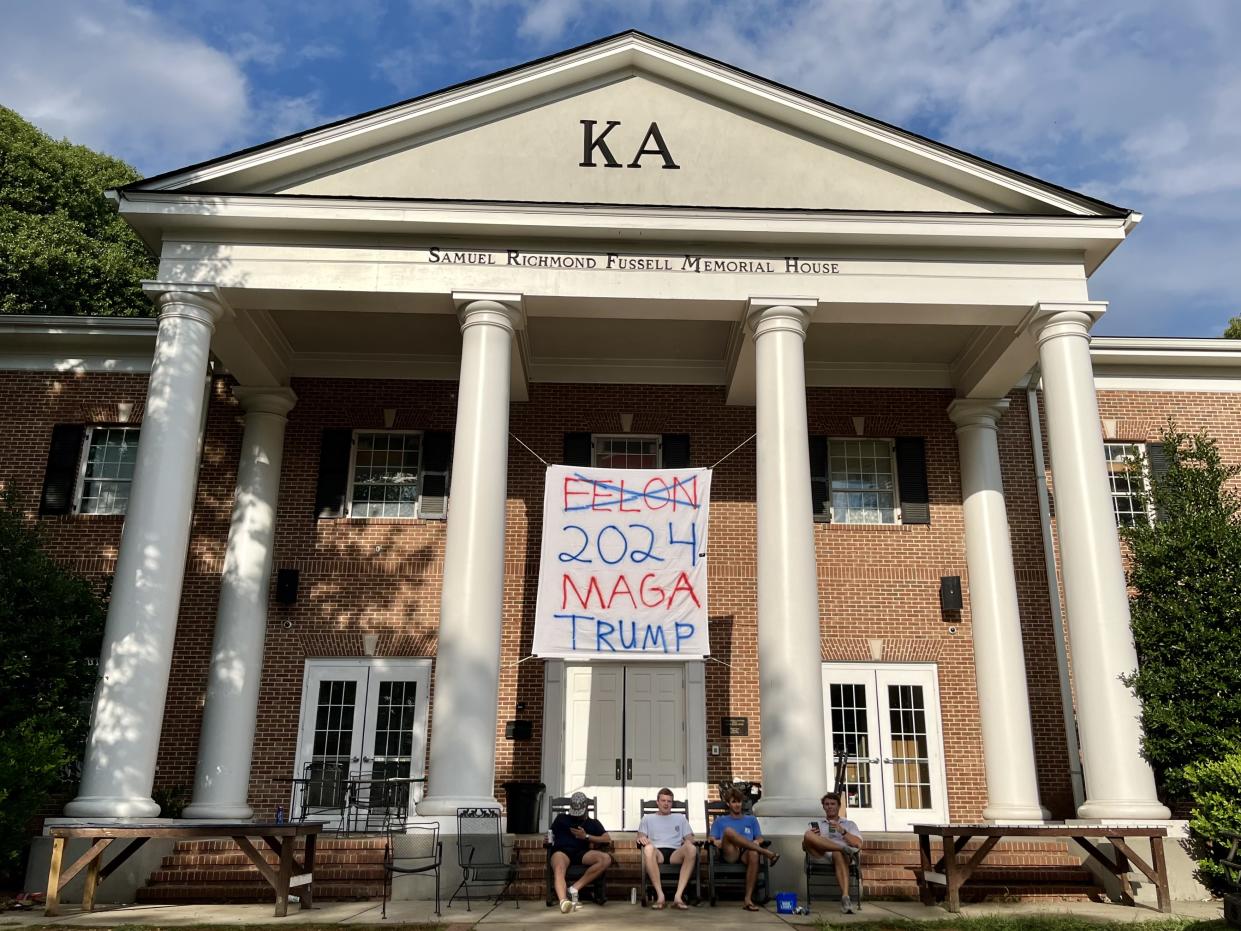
{"x": 836, "y": 839}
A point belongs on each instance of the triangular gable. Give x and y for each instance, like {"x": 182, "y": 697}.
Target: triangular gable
{"x": 735, "y": 141}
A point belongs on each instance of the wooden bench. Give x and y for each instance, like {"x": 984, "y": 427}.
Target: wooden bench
{"x": 945, "y": 876}
{"x": 281, "y": 838}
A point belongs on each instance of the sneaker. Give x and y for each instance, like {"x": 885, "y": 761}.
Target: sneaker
{"x": 852, "y": 851}
{"x": 846, "y": 905}
{"x": 565, "y": 906}
{"x": 573, "y": 896}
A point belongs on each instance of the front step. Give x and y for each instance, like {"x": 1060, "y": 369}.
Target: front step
{"x": 890, "y": 865}
{"x": 346, "y": 869}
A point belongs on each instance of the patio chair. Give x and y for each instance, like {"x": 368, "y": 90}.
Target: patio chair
{"x": 724, "y": 875}
{"x": 821, "y": 876}
{"x": 410, "y": 850}
{"x": 374, "y": 802}
{"x": 480, "y": 853}
{"x": 322, "y": 791}
{"x": 670, "y": 873}
{"x": 599, "y": 888}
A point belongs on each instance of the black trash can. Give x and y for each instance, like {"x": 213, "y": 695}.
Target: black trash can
{"x": 524, "y": 801}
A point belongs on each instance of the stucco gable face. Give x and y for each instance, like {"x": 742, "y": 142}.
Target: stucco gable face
{"x": 635, "y": 140}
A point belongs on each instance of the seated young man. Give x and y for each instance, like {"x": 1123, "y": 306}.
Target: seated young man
{"x": 667, "y": 838}
{"x": 575, "y": 839}
{"x": 739, "y": 837}
{"x": 836, "y": 839}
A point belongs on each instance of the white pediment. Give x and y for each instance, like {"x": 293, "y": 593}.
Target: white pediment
{"x": 736, "y": 141}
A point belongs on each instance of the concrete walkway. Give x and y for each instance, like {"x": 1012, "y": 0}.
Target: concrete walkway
{"x": 617, "y": 915}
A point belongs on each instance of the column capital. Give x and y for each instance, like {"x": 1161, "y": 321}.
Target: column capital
{"x": 503, "y": 309}
{"x": 201, "y": 302}
{"x": 256, "y": 400}
{"x": 977, "y": 412}
{"x": 769, "y": 314}
{"x": 1051, "y": 319}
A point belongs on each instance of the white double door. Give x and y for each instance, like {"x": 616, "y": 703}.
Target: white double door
{"x": 625, "y": 736}
{"x": 886, "y": 718}
{"x": 361, "y": 719}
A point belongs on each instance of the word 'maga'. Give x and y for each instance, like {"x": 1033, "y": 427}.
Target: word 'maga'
{"x": 623, "y": 563}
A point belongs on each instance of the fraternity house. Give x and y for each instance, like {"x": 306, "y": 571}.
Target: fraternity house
{"x": 619, "y": 420}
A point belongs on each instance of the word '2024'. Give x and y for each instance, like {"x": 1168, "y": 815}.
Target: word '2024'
{"x": 612, "y": 545}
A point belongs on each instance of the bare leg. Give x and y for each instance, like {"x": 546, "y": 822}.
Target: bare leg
{"x": 650, "y": 858}
{"x": 751, "y": 874}
{"x": 841, "y": 862}
{"x": 744, "y": 843}
{"x": 687, "y": 856}
{"x": 560, "y": 864}
{"x": 596, "y": 861}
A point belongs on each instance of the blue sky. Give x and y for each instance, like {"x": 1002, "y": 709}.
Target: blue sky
{"x": 1137, "y": 102}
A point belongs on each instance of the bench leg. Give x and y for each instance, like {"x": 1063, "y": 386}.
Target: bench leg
{"x": 52, "y": 905}
{"x": 1161, "y": 875}
{"x": 952, "y": 900}
{"x": 308, "y": 891}
{"x": 925, "y": 894}
{"x": 92, "y": 882}
{"x": 283, "y": 876}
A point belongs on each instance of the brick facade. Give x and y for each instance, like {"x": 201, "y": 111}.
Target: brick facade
{"x": 383, "y": 576}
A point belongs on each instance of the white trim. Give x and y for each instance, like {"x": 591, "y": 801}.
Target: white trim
{"x": 83, "y": 460}
{"x": 896, "y": 487}
{"x": 656, "y": 438}
{"x": 1185, "y": 383}
{"x": 353, "y": 453}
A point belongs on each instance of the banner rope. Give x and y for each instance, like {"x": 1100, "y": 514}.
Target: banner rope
{"x": 722, "y": 458}
{"x": 531, "y": 451}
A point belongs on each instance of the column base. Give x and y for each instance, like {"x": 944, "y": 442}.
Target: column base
{"x": 1123, "y": 810}
{"x": 789, "y": 807}
{"x": 447, "y": 805}
{"x": 1015, "y": 814}
{"x": 105, "y": 806}
{"x": 209, "y": 811}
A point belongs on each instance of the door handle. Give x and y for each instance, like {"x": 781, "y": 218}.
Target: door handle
{"x": 366, "y": 759}
{"x": 353, "y": 759}
{"x": 629, "y": 769}
{"x": 618, "y": 769}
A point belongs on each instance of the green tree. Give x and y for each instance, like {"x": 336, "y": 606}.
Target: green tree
{"x": 63, "y": 249}
{"x": 1186, "y": 610}
{"x": 51, "y": 625}
{"x": 1233, "y": 330}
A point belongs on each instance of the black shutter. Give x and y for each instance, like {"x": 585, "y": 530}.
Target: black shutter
{"x": 62, "y": 468}
{"x": 577, "y": 449}
{"x": 334, "y": 452}
{"x": 911, "y": 477}
{"x": 676, "y": 450}
{"x": 436, "y": 456}
{"x": 1159, "y": 462}
{"x": 820, "y": 493}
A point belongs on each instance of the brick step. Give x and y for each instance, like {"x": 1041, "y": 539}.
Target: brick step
{"x": 224, "y": 892}
{"x": 237, "y": 858}
{"x": 248, "y": 873}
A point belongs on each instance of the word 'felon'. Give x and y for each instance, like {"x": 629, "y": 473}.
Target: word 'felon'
{"x": 661, "y": 491}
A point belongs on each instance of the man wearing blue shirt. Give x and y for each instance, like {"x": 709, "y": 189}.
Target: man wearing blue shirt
{"x": 739, "y": 837}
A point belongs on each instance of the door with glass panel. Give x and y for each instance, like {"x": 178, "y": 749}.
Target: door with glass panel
{"x": 362, "y": 737}
{"x": 885, "y": 721}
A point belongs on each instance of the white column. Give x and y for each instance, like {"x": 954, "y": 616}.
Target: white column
{"x": 999, "y": 661}
{"x": 222, "y": 779}
{"x": 467, "y": 662}
{"x": 119, "y": 768}
{"x": 790, "y": 666}
{"x": 1119, "y": 782}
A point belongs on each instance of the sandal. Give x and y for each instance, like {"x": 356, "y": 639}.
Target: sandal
{"x": 751, "y": 907}
{"x": 774, "y": 860}
{"x": 657, "y": 905}
{"x": 681, "y": 906}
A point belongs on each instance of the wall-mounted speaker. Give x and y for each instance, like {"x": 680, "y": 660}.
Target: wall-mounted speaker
{"x": 286, "y": 586}
{"x": 950, "y": 593}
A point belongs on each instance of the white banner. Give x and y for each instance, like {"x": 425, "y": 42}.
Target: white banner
{"x": 623, "y": 572}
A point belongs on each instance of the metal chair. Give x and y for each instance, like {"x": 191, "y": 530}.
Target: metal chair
{"x": 721, "y": 873}
{"x": 599, "y": 889}
{"x": 670, "y": 873}
{"x": 409, "y": 850}
{"x": 322, "y": 791}
{"x": 822, "y": 873}
{"x": 480, "y": 852}
{"x": 375, "y": 802}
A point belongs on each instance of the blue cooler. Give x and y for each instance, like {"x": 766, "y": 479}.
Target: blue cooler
{"x": 786, "y": 903}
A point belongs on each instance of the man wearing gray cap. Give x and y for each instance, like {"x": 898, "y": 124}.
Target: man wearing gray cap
{"x": 575, "y": 839}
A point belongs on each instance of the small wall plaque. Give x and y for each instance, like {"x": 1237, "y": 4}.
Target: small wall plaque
{"x": 735, "y": 727}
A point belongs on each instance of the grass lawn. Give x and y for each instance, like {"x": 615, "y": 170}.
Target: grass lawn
{"x": 1032, "y": 923}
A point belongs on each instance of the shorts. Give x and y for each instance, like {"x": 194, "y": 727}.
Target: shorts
{"x": 665, "y": 853}
{"x": 575, "y": 855}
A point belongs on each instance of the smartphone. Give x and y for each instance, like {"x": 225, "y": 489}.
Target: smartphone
{"x": 814, "y": 826}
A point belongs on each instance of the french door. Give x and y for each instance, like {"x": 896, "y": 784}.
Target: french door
{"x": 624, "y": 736}
{"x": 361, "y": 720}
{"x": 885, "y": 718}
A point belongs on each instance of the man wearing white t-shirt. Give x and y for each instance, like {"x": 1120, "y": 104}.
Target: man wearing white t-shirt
{"x": 667, "y": 838}
{"x": 836, "y": 839}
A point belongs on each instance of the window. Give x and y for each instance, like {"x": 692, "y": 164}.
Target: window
{"x": 1127, "y": 481}
{"x": 626, "y": 452}
{"x": 107, "y": 470}
{"x": 861, "y": 482}
{"x": 384, "y": 475}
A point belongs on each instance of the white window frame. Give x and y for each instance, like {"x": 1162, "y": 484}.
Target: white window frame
{"x": 897, "y": 517}
{"x": 79, "y": 486}
{"x": 1139, "y": 448}
{"x": 653, "y": 437}
{"x": 353, "y": 456}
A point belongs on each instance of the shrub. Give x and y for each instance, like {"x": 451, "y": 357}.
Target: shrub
{"x": 1215, "y": 787}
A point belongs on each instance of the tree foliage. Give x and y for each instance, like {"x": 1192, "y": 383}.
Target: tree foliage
{"x": 51, "y": 624}
{"x": 1233, "y": 330}
{"x": 63, "y": 249}
{"x": 1215, "y": 786}
{"x": 1186, "y": 610}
